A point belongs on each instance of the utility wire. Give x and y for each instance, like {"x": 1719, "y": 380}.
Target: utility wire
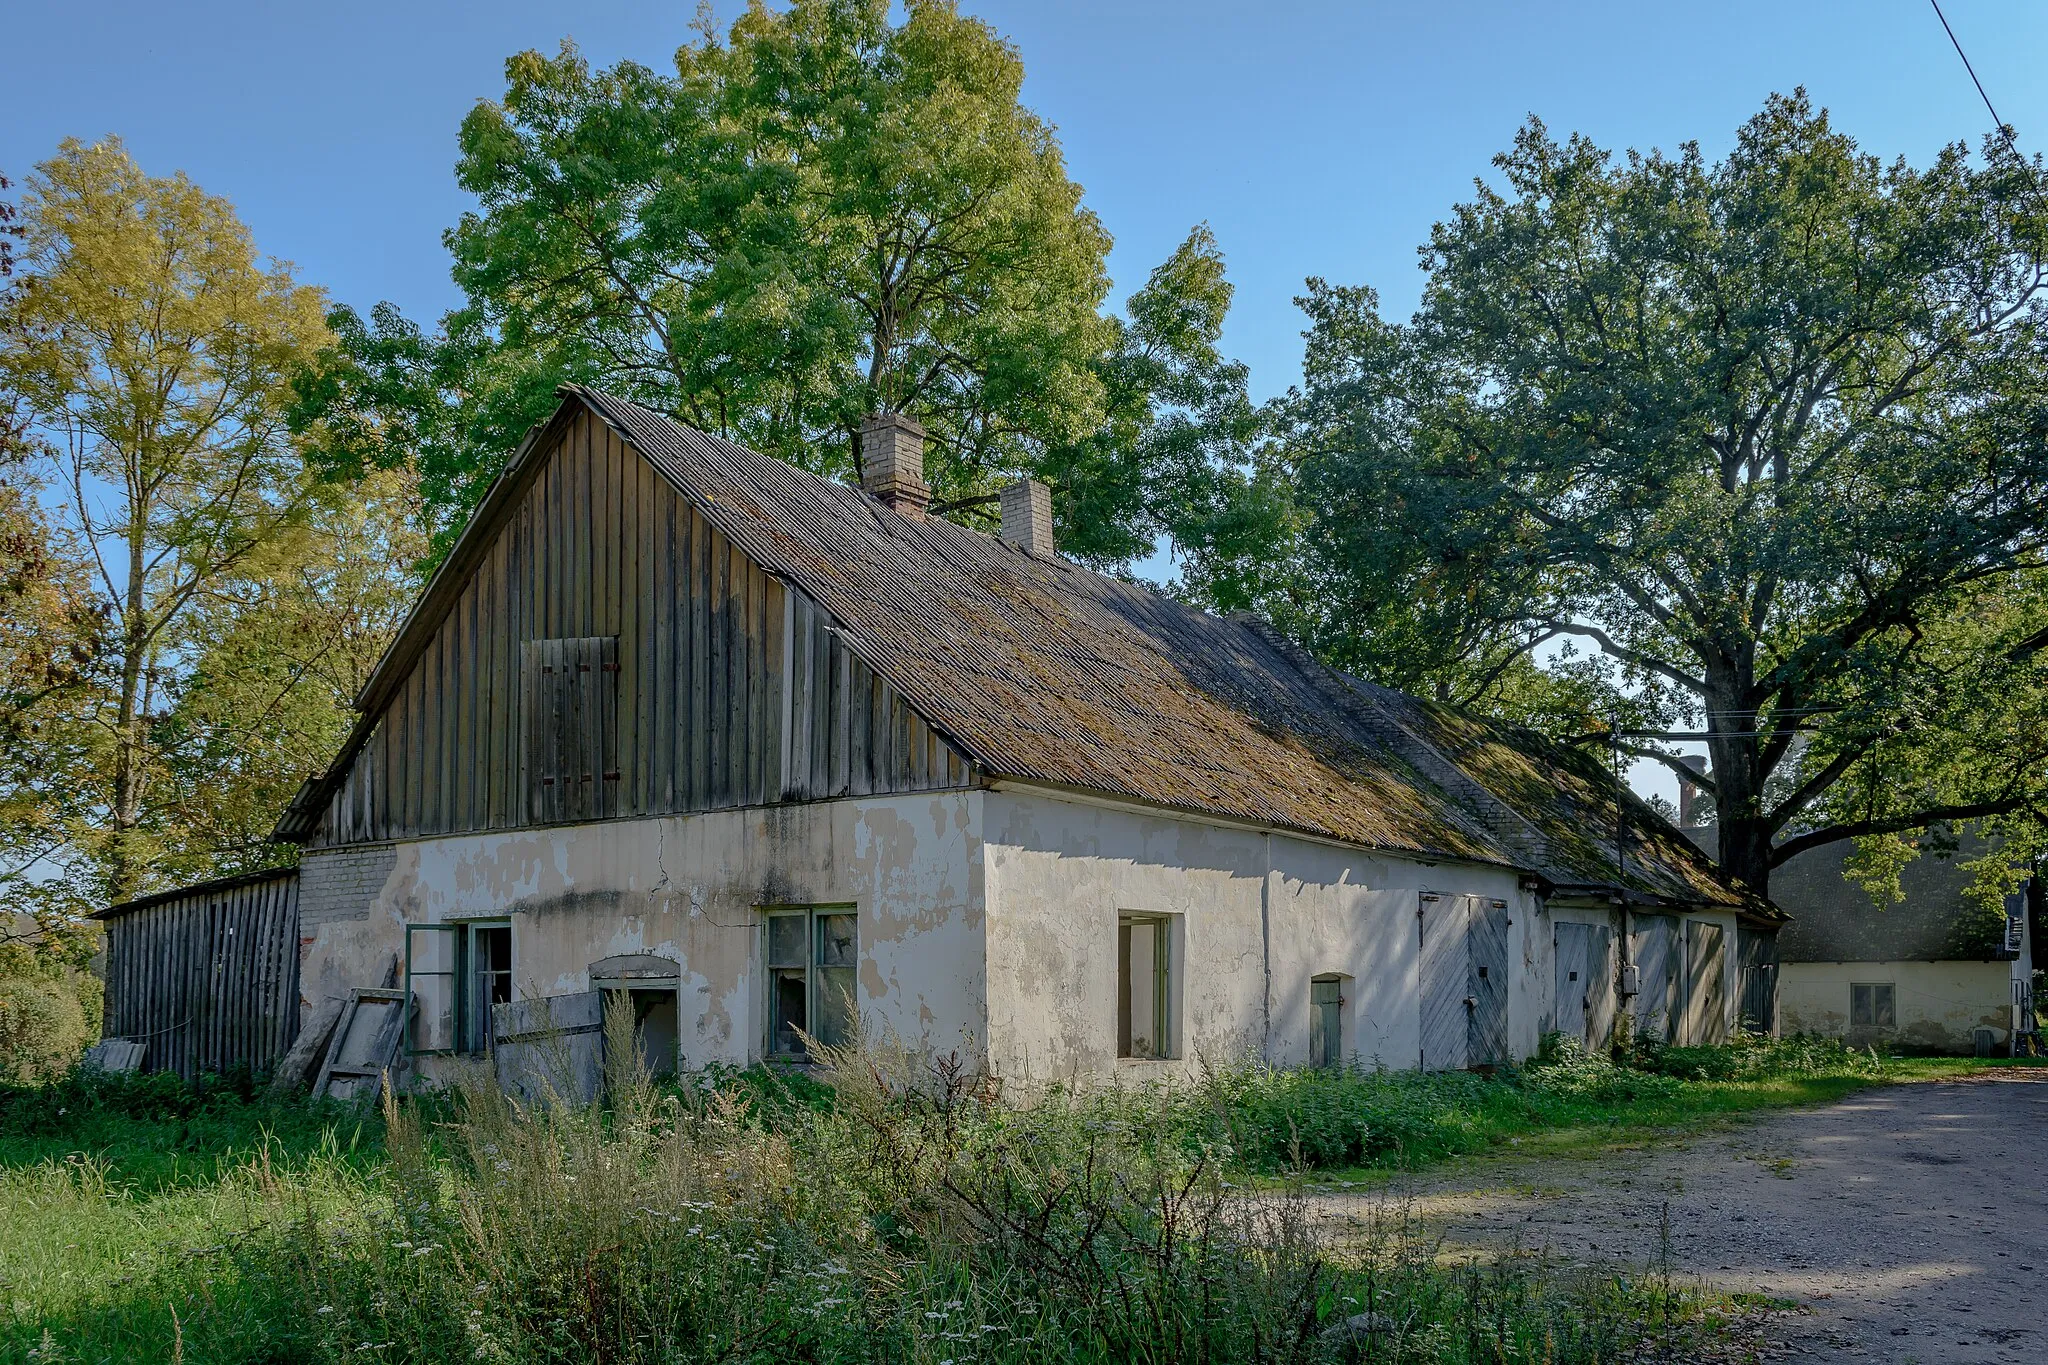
{"x": 2004, "y": 130}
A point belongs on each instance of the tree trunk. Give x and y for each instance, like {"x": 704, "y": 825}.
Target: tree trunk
{"x": 124, "y": 872}
{"x": 1736, "y": 755}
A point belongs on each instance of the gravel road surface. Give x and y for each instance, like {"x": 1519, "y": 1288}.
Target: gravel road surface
{"x": 1910, "y": 1220}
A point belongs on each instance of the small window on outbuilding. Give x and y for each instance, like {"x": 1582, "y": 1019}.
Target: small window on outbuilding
{"x": 813, "y": 955}
{"x": 572, "y": 691}
{"x": 1873, "y": 1005}
{"x": 1146, "y": 991}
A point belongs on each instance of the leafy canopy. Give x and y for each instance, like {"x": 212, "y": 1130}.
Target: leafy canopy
{"x": 818, "y": 216}
{"x": 149, "y": 352}
{"x": 1766, "y": 433}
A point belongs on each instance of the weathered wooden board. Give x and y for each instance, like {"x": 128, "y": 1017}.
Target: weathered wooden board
{"x": 207, "y": 977}
{"x": 298, "y": 1067}
{"x": 550, "y": 1049}
{"x": 115, "y": 1055}
{"x": 726, "y": 687}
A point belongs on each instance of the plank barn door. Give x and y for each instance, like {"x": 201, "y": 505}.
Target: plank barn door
{"x": 1759, "y": 954}
{"x": 1569, "y": 993}
{"x": 1487, "y": 1024}
{"x": 1656, "y": 955}
{"x": 1444, "y": 973}
{"x": 1600, "y": 987}
{"x": 1706, "y": 983}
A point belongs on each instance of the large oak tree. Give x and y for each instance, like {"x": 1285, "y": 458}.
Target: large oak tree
{"x": 1768, "y": 432}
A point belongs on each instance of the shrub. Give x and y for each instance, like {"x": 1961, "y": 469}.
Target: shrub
{"x": 44, "y": 1028}
{"x": 1752, "y": 1057}
{"x": 1565, "y": 1069}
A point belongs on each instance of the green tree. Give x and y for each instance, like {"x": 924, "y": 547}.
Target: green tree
{"x": 277, "y": 653}
{"x": 149, "y": 351}
{"x": 1766, "y": 433}
{"x": 818, "y": 216}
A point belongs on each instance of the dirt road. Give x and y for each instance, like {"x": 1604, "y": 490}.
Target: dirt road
{"x": 1912, "y": 1220}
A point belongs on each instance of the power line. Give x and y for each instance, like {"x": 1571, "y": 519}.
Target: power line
{"x": 2003, "y": 130}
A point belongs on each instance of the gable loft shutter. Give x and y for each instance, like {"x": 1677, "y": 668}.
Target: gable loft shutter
{"x": 572, "y": 728}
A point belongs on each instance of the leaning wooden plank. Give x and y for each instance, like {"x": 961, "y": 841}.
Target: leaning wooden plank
{"x": 310, "y": 1048}
{"x": 365, "y": 1045}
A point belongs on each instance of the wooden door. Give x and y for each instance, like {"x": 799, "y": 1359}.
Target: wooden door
{"x": 1600, "y": 987}
{"x": 1487, "y": 1023}
{"x": 1759, "y": 954}
{"x": 1706, "y": 984}
{"x": 1656, "y": 956}
{"x": 1568, "y": 996}
{"x": 1443, "y": 976}
{"x": 1326, "y": 1022}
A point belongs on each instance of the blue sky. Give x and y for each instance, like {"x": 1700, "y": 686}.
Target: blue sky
{"x": 1315, "y": 138}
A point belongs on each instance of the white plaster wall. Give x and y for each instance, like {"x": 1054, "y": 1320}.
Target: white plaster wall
{"x": 690, "y": 888}
{"x": 1260, "y": 914}
{"x": 1939, "y": 1005}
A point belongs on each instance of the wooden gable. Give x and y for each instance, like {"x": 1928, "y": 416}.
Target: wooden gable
{"x": 694, "y": 678}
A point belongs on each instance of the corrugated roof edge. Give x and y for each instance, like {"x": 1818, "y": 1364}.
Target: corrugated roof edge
{"x": 208, "y": 888}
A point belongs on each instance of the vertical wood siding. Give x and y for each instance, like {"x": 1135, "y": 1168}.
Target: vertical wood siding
{"x": 732, "y": 688}
{"x": 208, "y": 978}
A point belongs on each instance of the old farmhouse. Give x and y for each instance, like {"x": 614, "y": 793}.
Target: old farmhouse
{"x": 774, "y": 757}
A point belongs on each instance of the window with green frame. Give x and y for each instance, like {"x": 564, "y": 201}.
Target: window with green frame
{"x": 1147, "y": 996}
{"x": 454, "y": 974}
{"x": 812, "y": 954}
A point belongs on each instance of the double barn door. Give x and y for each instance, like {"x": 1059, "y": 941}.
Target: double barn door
{"x": 1464, "y": 981}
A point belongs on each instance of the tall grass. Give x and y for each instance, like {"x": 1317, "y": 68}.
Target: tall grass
{"x": 905, "y": 1213}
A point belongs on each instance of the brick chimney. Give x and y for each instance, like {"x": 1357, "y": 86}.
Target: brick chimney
{"x": 1687, "y": 791}
{"x": 1027, "y": 516}
{"x": 892, "y": 463}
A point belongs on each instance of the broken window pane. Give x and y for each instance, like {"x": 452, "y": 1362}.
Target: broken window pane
{"x": 788, "y": 1019}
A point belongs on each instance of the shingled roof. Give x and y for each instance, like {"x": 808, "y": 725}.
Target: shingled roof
{"x": 1042, "y": 671}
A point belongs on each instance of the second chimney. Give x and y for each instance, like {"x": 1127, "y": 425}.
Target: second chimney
{"x": 1027, "y": 516}
{"x": 1687, "y": 792}
{"x": 892, "y": 463}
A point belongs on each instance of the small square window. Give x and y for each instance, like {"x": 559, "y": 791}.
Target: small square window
{"x": 813, "y": 987}
{"x": 1873, "y": 1005}
{"x": 1146, "y": 992}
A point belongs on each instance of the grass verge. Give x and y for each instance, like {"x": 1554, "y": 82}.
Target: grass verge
{"x": 904, "y": 1214}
